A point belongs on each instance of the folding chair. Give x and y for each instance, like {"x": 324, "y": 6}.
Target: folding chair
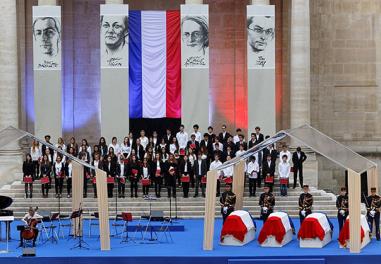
{"x": 156, "y": 216}
{"x": 126, "y": 217}
{"x": 165, "y": 229}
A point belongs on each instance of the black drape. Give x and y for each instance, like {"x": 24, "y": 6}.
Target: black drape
{"x": 156, "y": 124}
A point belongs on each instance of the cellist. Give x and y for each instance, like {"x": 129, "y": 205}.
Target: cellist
{"x": 27, "y": 219}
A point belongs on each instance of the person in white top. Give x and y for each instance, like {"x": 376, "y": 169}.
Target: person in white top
{"x": 221, "y": 146}
{"x": 114, "y": 144}
{"x": 35, "y": 152}
{"x": 284, "y": 173}
{"x": 197, "y": 133}
{"x": 240, "y": 151}
{"x": 143, "y": 139}
{"x": 236, "y": 136}
{"x": 227, "y": 173}
{"x": 253, "y": 171}
{"x": 215, "y": 164}
{"x": 68, "y": 174}
{"x": 125, "y": 148}
{"x": 286, "y": 152}
{"x": 182, "y": 138}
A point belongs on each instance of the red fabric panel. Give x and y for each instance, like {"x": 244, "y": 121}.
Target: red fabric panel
{"x": 344, "y": 234}
{"x": 272, "y": 227}
{"x": 235, "y": 227}
{"x": 173, "y": 108}
{"x": 311, "y": 228}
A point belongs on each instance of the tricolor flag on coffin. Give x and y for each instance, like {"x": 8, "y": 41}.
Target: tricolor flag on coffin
{"x": 154, "y": 64}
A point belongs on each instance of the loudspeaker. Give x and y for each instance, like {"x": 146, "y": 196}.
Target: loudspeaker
{"x": 29, "y": 252}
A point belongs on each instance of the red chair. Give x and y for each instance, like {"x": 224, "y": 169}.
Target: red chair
{"x": 126, "y": 217}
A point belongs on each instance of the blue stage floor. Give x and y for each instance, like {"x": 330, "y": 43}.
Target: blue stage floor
{"x": 186, "y": 248}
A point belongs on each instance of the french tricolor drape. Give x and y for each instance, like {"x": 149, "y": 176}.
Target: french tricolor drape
{"x": 154, "y": 64}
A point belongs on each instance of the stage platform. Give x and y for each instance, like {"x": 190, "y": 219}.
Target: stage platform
{"x": 186, "y": 248}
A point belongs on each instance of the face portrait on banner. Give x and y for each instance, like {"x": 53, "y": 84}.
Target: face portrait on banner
{"x": 195, "y": 41}
{"x": 261, "y": 42}
{"x": 114, "y": 41}
{"x": 46, "y": 43}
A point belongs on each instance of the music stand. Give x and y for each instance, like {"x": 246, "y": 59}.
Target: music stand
{"x": 81, "y": 244}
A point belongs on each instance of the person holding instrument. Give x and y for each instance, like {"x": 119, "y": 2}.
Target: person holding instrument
{"x": 29, "y": 231}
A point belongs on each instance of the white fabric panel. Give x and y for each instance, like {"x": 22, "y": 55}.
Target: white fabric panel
{"x": 323, "y": 221}
{"x": 284, "y": 218}
{"x": 364, "y": 224}
{"x": 245, "y": 217}
{"x": 154, "y": 63}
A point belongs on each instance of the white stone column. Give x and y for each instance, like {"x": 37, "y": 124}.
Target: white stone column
{"x": 300, "y": 63}
{"x": 47, "y": 2}
{"x": 11, "y": 156}
{"x": 187, "y": 2}
{"x": 260, "y": 2}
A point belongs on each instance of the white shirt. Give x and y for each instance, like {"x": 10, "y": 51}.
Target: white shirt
{"x": 199, "y": 167}
{"x": 145, "y": 173}
{"x": 172, "y": 148}
{"x": 239, "y": 153}
{"x": 253, "y": 169}
{"x": 228, "y": 172}
{"x": 121, "y": 170}
{"x": 27, "y": 217}
{"x": 116, "y": 148}
{"x": 284, "y": 169}
{"x": 125, "y": 149}
{"x": 214, "y": 164}
{"x": 220, "y": 146}
{"x": 236, "y": 139}
{"x": 192, "y": 158}
{"x": 198, "y": 136}
{"x": 96, "y": 162}
{"x": 58, "y": 166}
{"x": 70, "y": 170}
{"x": 36, "y": 153}
{"x": 63, "y": 147}
{"x": 287, "y": 153}
{"x": 144, "y": 141}
{"x": 182, "y": 138}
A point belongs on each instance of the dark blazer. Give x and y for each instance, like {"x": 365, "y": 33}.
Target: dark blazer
{"x": 103, "y": 150}
{"x": 182, "y": 168}
{"x": 259, "y": 138}
{"x": 46, "y": 169}
{"x": 110, "y": 171}
{"x": 197, "y": 145}
{"x": 223, "y": 138}
{"x": 268, "y": 169}
{"x": 298, "y": 162}
{"x": 273, "y": 154}
{"x": 238, "y": 144}
{"x": 168, "y": 138}
{"x": 62, "y": 169}
{"x": 121, "y": 173}
{"x": 204, "y": 167}
{"x": 252, "y": 144}
{"x": 140, "y": 153}
{"x": 28, "y": 169}
{"x": 208, "y": 145}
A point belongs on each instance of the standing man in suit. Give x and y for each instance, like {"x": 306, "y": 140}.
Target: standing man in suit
{"x": 223, "y": 136}
{"x": 253, "y": 140}
{"x": 200, "y": 169}
{"x": 258, "y": 135}
{"x": 168, "y": 137}
{"x": 268, "y": 169}
{"x": 211, "y": 134}
{"x": 207, "y": 144}
{"x": 298, "y": 157}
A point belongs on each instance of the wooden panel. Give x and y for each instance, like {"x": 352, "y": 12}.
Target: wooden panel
{"x": 210, "y": 209}
{"x": 239, "y": 183}
{"x": 104, "y": 226}
{"x": 354, "y": 194}
{"x": 77, "y": 198}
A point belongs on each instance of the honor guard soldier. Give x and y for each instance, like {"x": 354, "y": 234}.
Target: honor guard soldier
{"x": 373, "y": 204}
{"x": 267, "y": 203}
{"x": 227, "y": 202}
{"x": 305, "y": 203}
{"x": 342, "y": 207}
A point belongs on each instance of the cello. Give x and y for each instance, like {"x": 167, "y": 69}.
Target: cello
{"x": 29, "y": 232}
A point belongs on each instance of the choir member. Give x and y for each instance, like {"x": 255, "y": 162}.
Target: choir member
{"x": 241, "y": 141}
{"x": 268, "y": 171}
{"x": 162, "y": 145}
{"x": 298, "y": 158}
{"x": 115, "y": 146}
{"x": 44, "y": 148}
{"x": 215, "y": 164}
{"x": 227, "y": 202}
{"x": 305, "y": 203}
{"x": 373, "y": 207}
{"x": 211, "y": 134}
{"x": 223, "y": 136}
{"x": 252, "y": 171}
{"x": 229, "y": 152}
{"x": 270, "y": 150}
{"x": 158, "y": 170}
{"x": 284, "y": 170}
{"x": 134, "y": 176}
{"x": 103, "y": 147}
{"x": 171, "y": 175}
{"x": 342, "y": 207}
{"x": 240, "y": 151}
{"x": 286, "y": 152}
{"x": 86, "y": 147}
{"x": 200, "y": 169}
{"x": 143, "y": 139}
{"x": 73, "y": 145}
{"x": 111, "y": 153}
{"x": 110, "y": 168}
{"x": 69, "y": 176}
{"x": 36, "y": 155}
{"x": 28, "y": 175}
{"x": 266, "y": 202}
{"x": 125, "y": 148}
{"x": 139, "y": 150}
{"x": 258, "y": 135}
{"x": 207, "y": 144}
{"x": 227, "y": 172}
{"x": 196, "y": 133}
{"x": 185, "y": 169}
{"x": 86, "y": 171}
{"x": 146, "y": 177}
{"x": 61, "y": 143}
{"x": 192, "y": 157}
{"x": 97, "y": 163}
{"x": 164, "y": 155}
{"x": 236, "y": 136}
{"x": 45, "y": 170}
{"x": 182, "y": 139}
{"x": 122, "y": 170}
{"x": 253, "y": 141}
{"x": 59, "y": 175}
{"x": 168, "y": 136}
{"x": 174, "y": 146}
{"x": 193, "y": 143}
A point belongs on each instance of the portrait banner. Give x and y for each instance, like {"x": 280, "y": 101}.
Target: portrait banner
{"x": 114, "y": 55}
{"x": 260, "y": 28}
{"x": 114, "y": 37}
{"x": 47, "y": 63}
{"x": 195, "y": 66}
{"x": 46, "y": 30}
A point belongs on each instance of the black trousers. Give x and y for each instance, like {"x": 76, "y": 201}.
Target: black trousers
{"x": 192, "y": 180}
{"x": 145, "y": 189}
{"x": 110, "y": 189}
{"x": 45, "y": 188}
{"x": 252, "y": 186}
{"x": 134, "y": 188}
{"x": 95, "y": 189}
{"x": 259, "y": 180}
{"x": 376, "y": 220}
{"x": 197, "y": 185}
{"x": 341, "y": 219}
{"x": 85, "y": 185}
{"x": 227, "y": 213}
{"x": 28, "y": 189}
{"x": 302, "y": 217}
{"x": 185, "y": 189}
{"x": 121, "y": 188}
{"x": 171, "y": 189}
{"x": 68, "y": 185}
{"x": 218, "y": 187}
{"x": 158, "y": 183}
{"x": 300, "y": 171}
{"x": 58, "y": 184}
